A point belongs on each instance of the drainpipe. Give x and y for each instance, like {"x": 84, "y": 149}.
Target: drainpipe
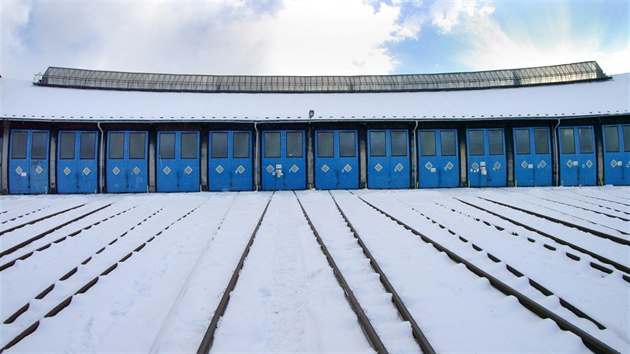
{"x": 415, "y": 155}
{"x": 101, "y": 158}
{"x": 556, "y": 160}
{"x": 256, "y": 167}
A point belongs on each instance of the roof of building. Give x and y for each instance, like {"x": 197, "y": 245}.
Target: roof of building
{"x": 115, "y": 80}
{"x": 24, "y": 101}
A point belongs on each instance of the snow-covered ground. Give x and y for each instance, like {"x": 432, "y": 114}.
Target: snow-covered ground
{"x": 145, "y": 273}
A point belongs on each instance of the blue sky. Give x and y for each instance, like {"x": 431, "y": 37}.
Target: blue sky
{"x": 311, "y": 37}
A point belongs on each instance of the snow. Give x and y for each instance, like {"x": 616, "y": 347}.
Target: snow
{"x": 25, "y": 101}
{"x": 174, "y": 255}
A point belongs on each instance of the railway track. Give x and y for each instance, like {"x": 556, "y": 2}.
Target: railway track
{"x": 590, "y": 230}
{"x": 523, "y": 272}
{"x": 362, "y": 310}
{"x": 604, "y": 259}
{"x": 575, "y": 205}
{"x": 79, "y": 280}
{"x": 34, "y": 221}
{"x": 590, "y": 341}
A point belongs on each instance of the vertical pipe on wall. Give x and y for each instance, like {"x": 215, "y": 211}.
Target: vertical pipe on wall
{"x": 4, "y": 184}
{"x": 101, "y": 158}
{"x": 555, "y": 154}
{"x": 203, "y": 159}
{"x": 151, "y": 188}
{"x": 414, "y": 157}
{"x": 310, "y": 160}
{"x": 52, "y": 166}
{"x": 256, "y": 158}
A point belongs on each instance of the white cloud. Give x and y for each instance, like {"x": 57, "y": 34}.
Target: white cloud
{"x": 293, "y": 37}
{"x": 447, "y": 14}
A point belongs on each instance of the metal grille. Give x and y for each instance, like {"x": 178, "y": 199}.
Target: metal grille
{"x": 80, "y": 78}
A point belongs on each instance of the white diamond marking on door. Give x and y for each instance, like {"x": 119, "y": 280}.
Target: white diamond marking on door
{"x": 569, "y": 163}
{"x": 428, "y": 166}
{"x": 269, "y": 169}
{"x": 219, "y": 169}
{"x": 325, "y": 168}
{"x": 116, "y": 171}
{"x": 475, "y": 166}
{"x": 589, "y": 164}
{"x": 497, "y": 165}
{"x": 449, "y": 166}
{"x": 378, "y": 167}
{"x": 19, "y": 170}
{"x": 347, "y": 168}
{"x": 86, "y": 171}
{"x": 240, "y": 169}
{"x": 294, "y": 168}
{"x": 136, "y": 170}
{"x": 166, "y": 170}
{"x": 542, "y": 164}
{"x": 399, "y": 167}
{"x": 524, "y": 164}
{"x": 39, "y": 169}
{"x": 66, "y": 171}
{"x": 188, "y": 170}
{"x": 613, "y": 163}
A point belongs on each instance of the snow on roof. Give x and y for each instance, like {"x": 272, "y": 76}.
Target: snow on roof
{"x": 25, "y": 101}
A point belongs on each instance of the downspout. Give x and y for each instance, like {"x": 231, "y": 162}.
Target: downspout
{"x": 556, "y": 160}
{"x": 101, "y": 158}
{"x": 415, "y": 154}
{"x": 256, "y": 177}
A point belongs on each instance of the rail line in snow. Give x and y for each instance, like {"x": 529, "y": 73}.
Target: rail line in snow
{"x": 584, "y": 208}
{"x": 46, "y": 246}
{"x": 589, "y": 230}
{"x": 590, "y": 341}
{"x": 8, "y": 218}
{"x": 387, "y": 287}
{"x": 561, "y": 241}
{"x": 29, "y": 325}
{"x": 535, "y": 285}
{"x": 49, "y": 231}
{"x": 208, "y": 337}
{"x": 34, "y": 221}
{"x": 606, "y": 200}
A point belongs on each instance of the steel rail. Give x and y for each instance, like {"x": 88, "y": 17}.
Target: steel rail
{"x": 208, "y": 337}
{"x": 67, "y": 301}
{"x": 600, "y": 258}
{"x": 364, "y": 322}
{"x": 31, "y": 222}
{"x": 419, "y": 336}
{"x": 565, "y": 223}
{"x": 583, "y": 208}
{"x": 591, "y": 342}
{"x": 49, "y": 231}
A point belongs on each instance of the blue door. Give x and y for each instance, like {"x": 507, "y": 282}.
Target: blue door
{"x": 617, "y": 154}
{"x": 577, "y": 156}
{"x": 486, "y": 158}
{"x": 28, "y": 162}
{"x": 76, "y": 162}
{"x": 230, "y": 161}
{"x": 178, "y": 161}
{"x": 336, "y": 159}
{"x": 388, "y": 159}
{"x": 532, "y": 157}
{"x": 438, "y": 158}
{"x": 283, "y": 160}
{"x": 127, "y": 162}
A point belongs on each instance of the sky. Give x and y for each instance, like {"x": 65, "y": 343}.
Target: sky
{"x": 311, "y": 37}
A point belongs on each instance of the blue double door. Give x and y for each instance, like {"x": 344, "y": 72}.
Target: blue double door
{"x": 177, "y": 161}
{"x": 230, "y": 161}
{"x": 283, "y": 161}
{"x": 28, "y": 161}
{"x": 532, "y": 157}
{"x": 617, "y": 154}
{"x": 388, "y": 159}
{"x": 127, "y": 162}
{"x": 438, "y": 158}
{"x": 77, "y": 166}
{"x": 577, "y": 161}
{"x": 486, "y": 158}
{"x": 336, "y": 159}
